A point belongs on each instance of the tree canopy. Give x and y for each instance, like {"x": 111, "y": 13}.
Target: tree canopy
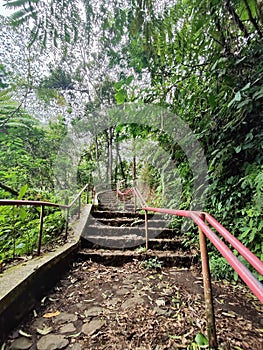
{"x": 199, "y": 60}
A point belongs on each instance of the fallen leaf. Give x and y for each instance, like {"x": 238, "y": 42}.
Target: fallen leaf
{"x": 52, "y": 299}
{"x": 51, "y": 314}
{"x": 24, "y": 334}
{"x": 34, "y": 313}
{"x": 175, "y": 336}
{"x": 74, "y": 335}
{"x": 160, "y": 302}
{"x": 45, "y": 330}
{"x": 229, "y": 314}
{"x": 43, "y": 300}
{"x": 93, "y": 269}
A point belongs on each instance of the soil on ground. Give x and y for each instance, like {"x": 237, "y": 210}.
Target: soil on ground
{"x": 135, "y": 306}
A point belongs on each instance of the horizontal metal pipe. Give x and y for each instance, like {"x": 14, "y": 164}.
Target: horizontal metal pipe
{"x": 125, "y": 193}
{"x": 40, "y": 203}
{"x": 33, "y": 203}
{"x": 185, "y": 213}
{"x": 244, "y": 251}
{"x": 255, "y": 286}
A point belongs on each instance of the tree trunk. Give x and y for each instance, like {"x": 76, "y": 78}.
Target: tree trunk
{"x": 110, "y": 155}
{"x": 120, "y": 162}
{"x": 97, "y": 156}
{"x": 134, "y": 175}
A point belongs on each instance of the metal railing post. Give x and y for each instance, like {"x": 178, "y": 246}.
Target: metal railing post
{"x": 117, "y": 191}
{"x": 42, "y": 213}
{"x": 79, "y": 206}
{"x": 209, "y": 308}
{"x": 146, "y": 231}
{"x": 66, "y": 227}
{"x": 135, "y": 201}
{"x": 87, "y": 195}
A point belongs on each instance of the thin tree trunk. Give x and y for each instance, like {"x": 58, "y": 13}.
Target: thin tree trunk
{"x": 97, "y": 156}
{"x": 236, "y": 18}
{"x": 252, "y": 20}
{"x": 120, "y": 162}
{"x": 260, "y": 9}
{"x": 110, "y": 155}
{"x": 134, "y": 175}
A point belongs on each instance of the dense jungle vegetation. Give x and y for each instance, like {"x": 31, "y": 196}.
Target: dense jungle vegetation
{"x": 65, "y": 63}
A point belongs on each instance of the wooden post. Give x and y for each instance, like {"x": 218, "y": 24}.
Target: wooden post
{"x": 146, "y": 232}
{"x": 42, "y": 213}
{"x": 209, "y": 308}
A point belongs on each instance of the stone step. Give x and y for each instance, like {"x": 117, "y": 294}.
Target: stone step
{"x": 112, "y": 242}
{"x": 103, "y": 230}
{"x": 153, "y": 243}
{"x": 123, "y": 221}
{"x": 114, "y": 199}
{"x": 118, "y": 257}
{"x": 124, "y": 214}
{"x": 116, "y": 207}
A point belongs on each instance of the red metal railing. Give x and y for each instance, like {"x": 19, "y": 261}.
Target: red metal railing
{"x": 10, "y": 202}
{"x": 205, "y": 232}
{"x": 255, "y": 286}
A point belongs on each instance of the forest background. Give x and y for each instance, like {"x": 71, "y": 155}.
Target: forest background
{"x": 65, "y": 62}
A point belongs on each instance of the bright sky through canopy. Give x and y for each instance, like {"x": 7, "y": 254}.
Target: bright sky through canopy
{"x": 3, "y": 10}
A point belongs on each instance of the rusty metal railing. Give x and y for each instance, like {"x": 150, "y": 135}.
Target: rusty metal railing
{"x": 42, "y": 205}
{"x": 200, "y": 219}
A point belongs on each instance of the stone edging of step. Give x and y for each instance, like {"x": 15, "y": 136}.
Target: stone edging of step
{"x": 21, "y": 286}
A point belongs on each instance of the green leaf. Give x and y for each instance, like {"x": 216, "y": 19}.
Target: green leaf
{"x": 120, "y": 97}
{"x": 22, "y": 192}
{"x": 118, "y": 85}
{"x": 258, "y": 94}
{"x": 129, "y": 80}
{"x": 238, "y": 96}
{"x": 200, "y": 339}
{"x": 243, "y": 103}
{"x": 238, "y": 149}
{"x": 212, "y": 100}
{"x": 247, "y": 86}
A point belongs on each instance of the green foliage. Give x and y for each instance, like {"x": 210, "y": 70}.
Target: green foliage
{"x": 19, "y": 230}
{"x": 152, "y": 264}
{"x": 56, "y": 24}
{"x": 200, "y": 60}
{"x": 220, "y": 268}
{"x": 141, "y": 250}
{"x": 27, "y": 159}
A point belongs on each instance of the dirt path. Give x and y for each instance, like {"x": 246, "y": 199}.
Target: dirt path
{"x": 132, "y": 307}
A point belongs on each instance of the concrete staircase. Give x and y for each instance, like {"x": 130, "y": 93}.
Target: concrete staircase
{"x": 114, "y": 229}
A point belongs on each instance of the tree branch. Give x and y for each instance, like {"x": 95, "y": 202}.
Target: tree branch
{"x": 8, "y": 189}
{"x": 236, "y": 18}
{"x": 252, "y": 19}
